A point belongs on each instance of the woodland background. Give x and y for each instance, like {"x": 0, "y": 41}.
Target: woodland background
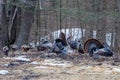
{"x": 23, "y": 21}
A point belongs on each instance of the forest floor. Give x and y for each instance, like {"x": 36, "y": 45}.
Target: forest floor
{"x": 38, "y": 66}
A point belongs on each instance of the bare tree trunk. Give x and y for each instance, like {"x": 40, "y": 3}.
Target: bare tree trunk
{"x": 27, "y": 20}
{"x": 101, "y": 27}
{"x": 13, "y": 23}
{"x": 80, "y": 24}
{"x": 117, "y": 28}
{"x": 60, "y": 18}
{"x": 66, "y": 21}
{"x": 89, "y": 26}
{"x": 3, "y": 27}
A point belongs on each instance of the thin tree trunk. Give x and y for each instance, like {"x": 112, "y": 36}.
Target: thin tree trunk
{"x": 60, "y": 18}
{"x": 79, "y": 22}
{"x": 101, "y": 27}
{"x": 13, "y": 25}
{"x": 117, "y": 28}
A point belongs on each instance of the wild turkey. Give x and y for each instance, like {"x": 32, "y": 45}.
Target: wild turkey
{"x": 25, "y": 48}
{"x": 13, "y": 48}
{"x": 5, "y": 50}
{"x": 75, "y": 45}
{"x": 105, "y": 51}
{"x": 80, "y": 48}
{"x": 95, "y": 48}
{"x": 60, "y": 45}
{"x": 63, "y": 38}
{"x": 45, "y": 45}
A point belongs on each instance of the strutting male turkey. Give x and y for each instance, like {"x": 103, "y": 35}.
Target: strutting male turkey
{"x": 95, "y": 48}
{"x": 60, "y": 45}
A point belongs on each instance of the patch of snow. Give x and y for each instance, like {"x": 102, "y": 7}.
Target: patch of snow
{"x": 22, "y": 58}
{"x": 55, "y": 64}
{"x": 5, "y": 64}
{"x": 94, "y": 34}
{"x": 49, "y": 60}
{"x": 116, "y": 69}
{"x": 34, "y": 62}
{"x": 3, "y": 72}
{"x": 41, "y": 67}
{"x": 108, "y": 38}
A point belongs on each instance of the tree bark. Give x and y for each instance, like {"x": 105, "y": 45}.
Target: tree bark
{"x": 117, "y": 27}
{"x": 101, "y": 26}
{"x": 27, "y": 20}
{"x": 3, "y": 27}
